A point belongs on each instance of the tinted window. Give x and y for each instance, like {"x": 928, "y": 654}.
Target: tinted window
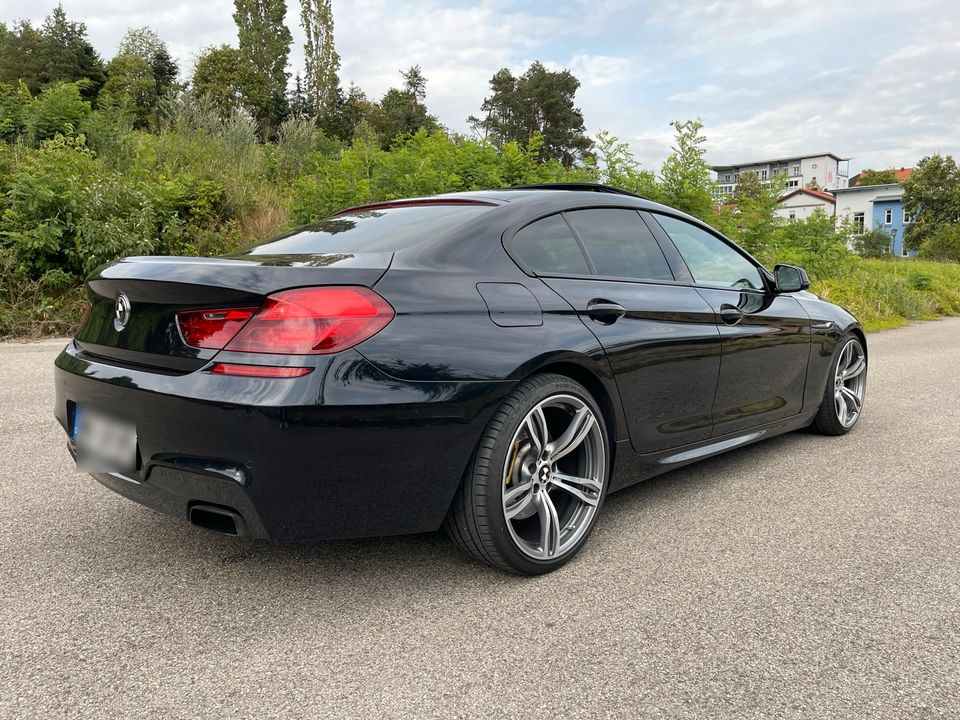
{"x": 619, "y": 244}
{"x": 548, "y": 246}
{"x": 711, "y": 261}
{"x": 380, "y": 230}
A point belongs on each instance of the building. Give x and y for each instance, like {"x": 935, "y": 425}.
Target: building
{"x": 875, "y": 206}
{"x": 802, "y": 203}
{"x": 829, "y": 171}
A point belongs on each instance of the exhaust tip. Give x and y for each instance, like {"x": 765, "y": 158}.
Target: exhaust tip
{"x": 217, "y": 519}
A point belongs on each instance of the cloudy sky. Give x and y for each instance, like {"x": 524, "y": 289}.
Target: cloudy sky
{"x": 875, "y": 80}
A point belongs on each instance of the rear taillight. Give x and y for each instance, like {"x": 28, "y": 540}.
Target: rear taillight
{"x": 306, "y": 321}
{"x": 212, "y": 329}
{"x": 313, "y": 321}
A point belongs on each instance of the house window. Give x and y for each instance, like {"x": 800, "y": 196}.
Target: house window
{"x": 907, "y": 218}
{"x": 793, "y": 215}
{"x": 796, "y": 171}
{"x": 726, "y": 178}
{"x": 888, "y": 216}
{"x": 763, "y": 174}
{"x": 736, "y": 177}
{"x": 858, "y": 223}
{"x": 903, "y": 251}
{"x": 793, "y": 183}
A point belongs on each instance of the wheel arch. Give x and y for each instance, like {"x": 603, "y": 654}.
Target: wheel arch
{"x": 609, "y": 403}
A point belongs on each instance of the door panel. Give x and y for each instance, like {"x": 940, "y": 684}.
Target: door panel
{"x": 766, "y": 347}
{"x": 664, "y": 351}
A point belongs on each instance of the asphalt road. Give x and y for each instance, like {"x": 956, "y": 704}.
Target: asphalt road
{"x": 804, "y": 577}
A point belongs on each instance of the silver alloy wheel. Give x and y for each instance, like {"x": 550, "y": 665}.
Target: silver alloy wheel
{"x": 850, "y": 382}
{"x": 553, "y": 477}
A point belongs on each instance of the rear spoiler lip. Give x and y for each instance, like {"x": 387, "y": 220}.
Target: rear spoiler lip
{"x": 421, "y": 202}
{"x": 252, "y": 274}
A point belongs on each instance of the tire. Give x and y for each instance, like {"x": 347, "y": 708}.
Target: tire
{"x": 828, "y": 420}
{"x": 514, "y": 472}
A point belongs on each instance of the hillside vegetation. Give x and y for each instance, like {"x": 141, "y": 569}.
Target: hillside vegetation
{"x": 103, "y": 159}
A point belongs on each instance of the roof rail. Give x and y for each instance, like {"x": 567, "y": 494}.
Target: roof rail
{"x": 581, "y": 186}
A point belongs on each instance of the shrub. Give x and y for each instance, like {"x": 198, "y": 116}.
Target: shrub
{"x": 873, "y": 243}
{"x": 944, "y": 244}
{"x": 58, "y": 109}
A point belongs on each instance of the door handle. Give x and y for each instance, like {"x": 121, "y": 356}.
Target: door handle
{"x": 604, "y": 311}
{"x": 731, "y": 314}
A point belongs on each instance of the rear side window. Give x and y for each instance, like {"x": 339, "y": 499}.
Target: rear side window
{"x": 711, "y": 261}
{"x": 620, "y": 244}
{"x": 547, "y": 246}
{"x": 382, "y": 229}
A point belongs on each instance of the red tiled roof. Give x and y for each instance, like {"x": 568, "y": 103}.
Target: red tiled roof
{"x": 903, "y": 174}
{"x": 815, "y": 193}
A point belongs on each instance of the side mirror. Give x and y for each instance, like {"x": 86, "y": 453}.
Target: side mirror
{"x": 790, "y": 278}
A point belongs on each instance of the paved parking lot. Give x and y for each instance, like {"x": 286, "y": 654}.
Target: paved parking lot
{"x": 805, "y": 577}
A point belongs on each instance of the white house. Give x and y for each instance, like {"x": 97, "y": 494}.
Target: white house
{"x": 802, "y": 202}
{"x": 828, "y": 170}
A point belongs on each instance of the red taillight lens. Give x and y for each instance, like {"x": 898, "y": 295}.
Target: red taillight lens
{"x": 313, "y": 321}
{"x": 264, "y": 371}
{"x": 212, "y": 328}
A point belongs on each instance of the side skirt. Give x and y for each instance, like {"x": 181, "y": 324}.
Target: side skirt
{"x": 630, "y": 467}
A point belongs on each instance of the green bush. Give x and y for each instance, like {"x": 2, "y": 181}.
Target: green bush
{"x": 944, "y": 244}
{"x": 59, "y": 109}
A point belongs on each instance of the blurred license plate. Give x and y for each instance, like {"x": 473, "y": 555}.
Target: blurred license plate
{"x": 104, "y": 443}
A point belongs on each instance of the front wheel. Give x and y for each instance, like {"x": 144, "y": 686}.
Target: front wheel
{"x": 538, "y": 479}
{"x": 846, "y": 386}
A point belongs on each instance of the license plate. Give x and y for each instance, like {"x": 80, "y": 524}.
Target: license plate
{"x": 104, "y": 443}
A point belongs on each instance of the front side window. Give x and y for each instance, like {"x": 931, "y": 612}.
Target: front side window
{"x": 887, "y": 216}
{"x": 620, "y": 244}
{"x": 907, "y": 218}
{"x": 547, "y": 246}
{"x": 710, "y": 260}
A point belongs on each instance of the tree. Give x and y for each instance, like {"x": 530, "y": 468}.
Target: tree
{"x": 15, "y": 103}
{"x": 748, "y": 188}
{"x": 68, "y": 56}
{"x": 876, "y": 177}
{"x": 322, "y": 61}
{"x": 131, "y": 86}
{"x": 21, "y": 57}
{"x": 617, "y": 166}
{"x": 539, "y": 102}
{"x": 403, "y": 110}
{"x": 145, "y": 43}
{"x": 264, "y": 46}
{"x": 943, "y": 244}
{"x": 58, "y": 109}
{"x": 932, "y": 196}
{"x": 218, "y": 74}
{"x": 685, "y": 176}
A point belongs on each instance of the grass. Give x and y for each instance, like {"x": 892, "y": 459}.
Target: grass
{"x": 889, "y": 293}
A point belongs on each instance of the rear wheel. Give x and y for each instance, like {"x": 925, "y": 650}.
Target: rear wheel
{"x": 846, "y": 387}
{"x": 537, "y": 482}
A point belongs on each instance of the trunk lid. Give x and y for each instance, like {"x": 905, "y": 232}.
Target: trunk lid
{"x": 157, "y": 288}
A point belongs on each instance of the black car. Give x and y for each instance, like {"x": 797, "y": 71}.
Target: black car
{"x": 493, "y": 362}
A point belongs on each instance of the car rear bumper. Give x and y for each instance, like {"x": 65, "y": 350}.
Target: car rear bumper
{"x": 344, "y": 452}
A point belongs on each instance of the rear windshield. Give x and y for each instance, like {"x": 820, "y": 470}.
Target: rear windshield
{"x": 383, "y": 229}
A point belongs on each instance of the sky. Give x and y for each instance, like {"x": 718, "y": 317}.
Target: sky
{"x": 877, "y": 81}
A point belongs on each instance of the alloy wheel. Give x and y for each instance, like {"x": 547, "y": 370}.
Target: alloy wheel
{"x": 850, "y": 382}
{"x": 553, "y": 477}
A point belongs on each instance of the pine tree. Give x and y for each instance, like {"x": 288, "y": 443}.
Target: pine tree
{"x": 264, "y": 46}
{"x": 68, "y": 56}
{"x": 322, "y": 60}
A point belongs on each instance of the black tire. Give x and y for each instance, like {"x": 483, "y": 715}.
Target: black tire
{"x": 827, "y": 421}
{"x": 476, "y": 520}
